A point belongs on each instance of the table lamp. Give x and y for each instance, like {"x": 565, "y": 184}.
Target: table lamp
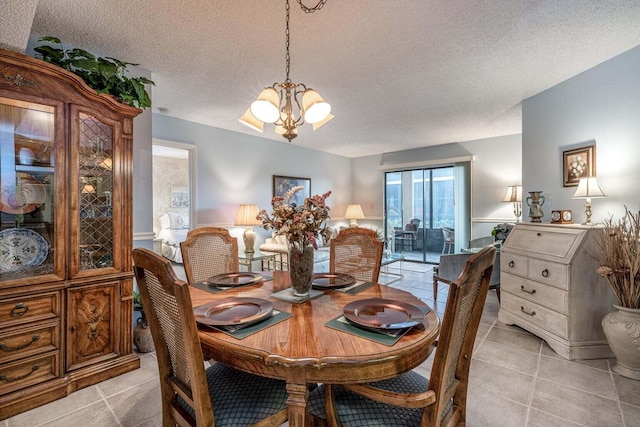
{"x": 514, "y": 195}
{"x": 587, "y": 189}
{"x": 354, "y": 212}
{"x": 248, "y": 216}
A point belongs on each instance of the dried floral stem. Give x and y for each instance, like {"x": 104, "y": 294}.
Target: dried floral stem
{"x": 619, "y": 257}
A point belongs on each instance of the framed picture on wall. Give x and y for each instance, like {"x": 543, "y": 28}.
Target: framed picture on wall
{"x": 578, "y": 163}
{"x": 282, "y": 184}
{"x": 179, "y": 197}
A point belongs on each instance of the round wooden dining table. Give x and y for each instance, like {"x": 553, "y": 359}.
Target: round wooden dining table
{"x": 303, "y": 350}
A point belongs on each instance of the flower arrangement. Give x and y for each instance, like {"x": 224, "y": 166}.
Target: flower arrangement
{"x": 501, "y": 231}
{"x": 300, "y": 224}
{"x": 619, "y": 257}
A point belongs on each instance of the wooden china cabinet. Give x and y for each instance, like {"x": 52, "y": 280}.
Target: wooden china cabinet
{"x": 66, "y": 282}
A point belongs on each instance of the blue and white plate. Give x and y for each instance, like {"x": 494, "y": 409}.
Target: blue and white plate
{"x": 21, "y": 248}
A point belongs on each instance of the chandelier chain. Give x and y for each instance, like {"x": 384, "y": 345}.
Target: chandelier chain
{"x": 315, "y": 8}
{"x": 287, "y": 57}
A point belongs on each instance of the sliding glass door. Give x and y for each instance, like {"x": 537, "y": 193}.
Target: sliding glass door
{"x": 418, "y": 203}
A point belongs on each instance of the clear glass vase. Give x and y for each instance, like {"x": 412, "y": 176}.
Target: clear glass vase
{"x": 300, "y": 268}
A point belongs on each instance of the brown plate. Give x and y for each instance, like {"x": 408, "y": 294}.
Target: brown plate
{"x": 233, "y": 311}
{"x": 332, "y": 280}
{"x": 234, "y": 279}
{"x": 383, "y": 313}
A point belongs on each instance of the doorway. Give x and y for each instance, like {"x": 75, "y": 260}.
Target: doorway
{"x": 418, "y": 204}
{"x": 173, "y": 182}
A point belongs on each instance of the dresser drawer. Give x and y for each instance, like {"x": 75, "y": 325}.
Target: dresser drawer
{"x": 513, "y": 264}
{"x": 551, "y": 241}
{"x": 535, "y": 292}
{"x": 536, "y": 314}
{"x": 25, "y": 309}
{"x": 551, "y": 273}
{"x": 24, "y": 342}
{"x": 28, "y": 372}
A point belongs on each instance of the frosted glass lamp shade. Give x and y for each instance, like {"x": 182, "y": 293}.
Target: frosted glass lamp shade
{"x": 315, "y": 108}
{"x": 265, "y": 108}
{"x": 251, "y": 121}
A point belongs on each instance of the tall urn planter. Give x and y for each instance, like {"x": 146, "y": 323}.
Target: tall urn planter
{"x": 622, "y": 329}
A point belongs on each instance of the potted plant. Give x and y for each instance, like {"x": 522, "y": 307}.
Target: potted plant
{"x": 105, "y": 75}
{"x": 619, "y": 258}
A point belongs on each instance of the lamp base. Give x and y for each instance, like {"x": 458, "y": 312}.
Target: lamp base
{"x": 249, "y": 239}
{"x": 353, "y": 223}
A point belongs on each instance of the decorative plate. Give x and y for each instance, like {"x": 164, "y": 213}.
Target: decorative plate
{"x": 234, "y": 279}
{"x": 25, "y": 198}
{"x": 233, "y": 311}
{"x": 21, "y": 248}
{"x": 332, "y": 280}
{"x": 383, "y": 313}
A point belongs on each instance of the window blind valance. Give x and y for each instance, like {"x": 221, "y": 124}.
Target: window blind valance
{"x": 437, "y": 155}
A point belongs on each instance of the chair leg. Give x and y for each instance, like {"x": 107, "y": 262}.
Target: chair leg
{"x": 498, "y": 293}
{"x": 435, "y": 289}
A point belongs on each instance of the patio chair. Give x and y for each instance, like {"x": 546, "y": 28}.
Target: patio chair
{"x": 406, "y": 238}
{"x": 448, "y": 240}
{"x": 208, "y": 251}
{"x": 410, "y": 399}
{"x": 191, "y": 395}
{"x": 358, "y": 252}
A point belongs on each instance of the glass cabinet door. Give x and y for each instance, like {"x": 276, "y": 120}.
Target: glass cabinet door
{"x": 27, "y": 190}
{"x": 95, "y": 192}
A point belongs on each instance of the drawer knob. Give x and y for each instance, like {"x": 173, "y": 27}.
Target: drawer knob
{"x": 19, "y": 377}
{"x": 545, "y": 273}
{"x": 3, "y": 347}
{"x": 512, "y": 264}
{"x": 532, "y": 291}
{"x": 538, "y": 234}
{"x": 19, "y": 310}
{"x": 530, "y": 313}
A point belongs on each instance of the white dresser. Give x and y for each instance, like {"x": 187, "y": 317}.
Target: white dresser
{"x": 550, "y": 288}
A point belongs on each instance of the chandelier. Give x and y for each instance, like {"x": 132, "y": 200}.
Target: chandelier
{"x": 288, "y": 105}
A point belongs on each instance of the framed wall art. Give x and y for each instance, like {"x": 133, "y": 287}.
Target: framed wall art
{"x": 179, "y": 197}
{"x": 578, "y": 163}
{"x": 282, "y": 184}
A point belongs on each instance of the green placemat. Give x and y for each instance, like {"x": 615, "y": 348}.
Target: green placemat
{"x": 288, "y": 296}
{"x": 342, "y": 324}
{"x": 277, "y": 317}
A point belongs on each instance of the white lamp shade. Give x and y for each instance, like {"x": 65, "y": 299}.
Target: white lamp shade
{"x": 315, "y": 108}
{"x": 247, "y": 215}
{"x": 265, "y": 108}
{"x": 514, "y": 194}
{"x": 588, "y": 188}
{"x": 318, "y": 125}
{"x": 251, "y": 121}
{"x": 354, "y": 212}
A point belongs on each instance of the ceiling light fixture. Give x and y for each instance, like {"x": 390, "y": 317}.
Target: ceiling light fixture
{"x": 275, "y": 104}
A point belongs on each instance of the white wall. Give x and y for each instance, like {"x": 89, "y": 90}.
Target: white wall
{"x": 234, "y": 168}
{"x": 602, "y": 105}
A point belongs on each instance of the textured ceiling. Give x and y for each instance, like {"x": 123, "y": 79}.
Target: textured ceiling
{"x": 398, "y": 74}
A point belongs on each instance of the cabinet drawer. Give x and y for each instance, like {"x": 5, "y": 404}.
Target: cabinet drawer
{"x": 551, "y": 273}
{"x": 551, "y": 241}
{"x": 535, "y": 292}
{"x": 514, "y": 264}
{"x": 536, "y": 314}
{"x": 25, "y": 309}
{"x": 25, "y": 342}
{"x": 25, "y": 373}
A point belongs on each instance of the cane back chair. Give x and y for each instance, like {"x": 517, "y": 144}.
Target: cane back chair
{"x": 358, "y": 252}
{"x": 208, "y": 251}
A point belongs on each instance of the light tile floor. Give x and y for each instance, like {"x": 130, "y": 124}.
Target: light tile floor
{"x": 516, "y": 380}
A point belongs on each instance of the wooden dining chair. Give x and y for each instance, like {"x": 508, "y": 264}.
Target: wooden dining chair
{"x": 191, "y": 395}
{"x": 410, "y": 399}
{"x": 358, "y": 252}
{"x": 208, "y": 251}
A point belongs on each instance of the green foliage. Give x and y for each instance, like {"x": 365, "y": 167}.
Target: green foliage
{"x": 104, "y": 74}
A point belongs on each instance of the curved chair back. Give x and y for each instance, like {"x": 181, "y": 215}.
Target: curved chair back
{"x": 448, "y": 240}
{"x": 169, "y": 312}
{"x": 208, "y": 251}
{"x": 450, "y": 371}
{"x": 358, "y": 252}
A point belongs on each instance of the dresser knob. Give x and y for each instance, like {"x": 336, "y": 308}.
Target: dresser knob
{"x": 545, "y": 273}
{"x": 538, "y": 234}
{"x": 532, "y": 291}
{"x": 512, "y": 264}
